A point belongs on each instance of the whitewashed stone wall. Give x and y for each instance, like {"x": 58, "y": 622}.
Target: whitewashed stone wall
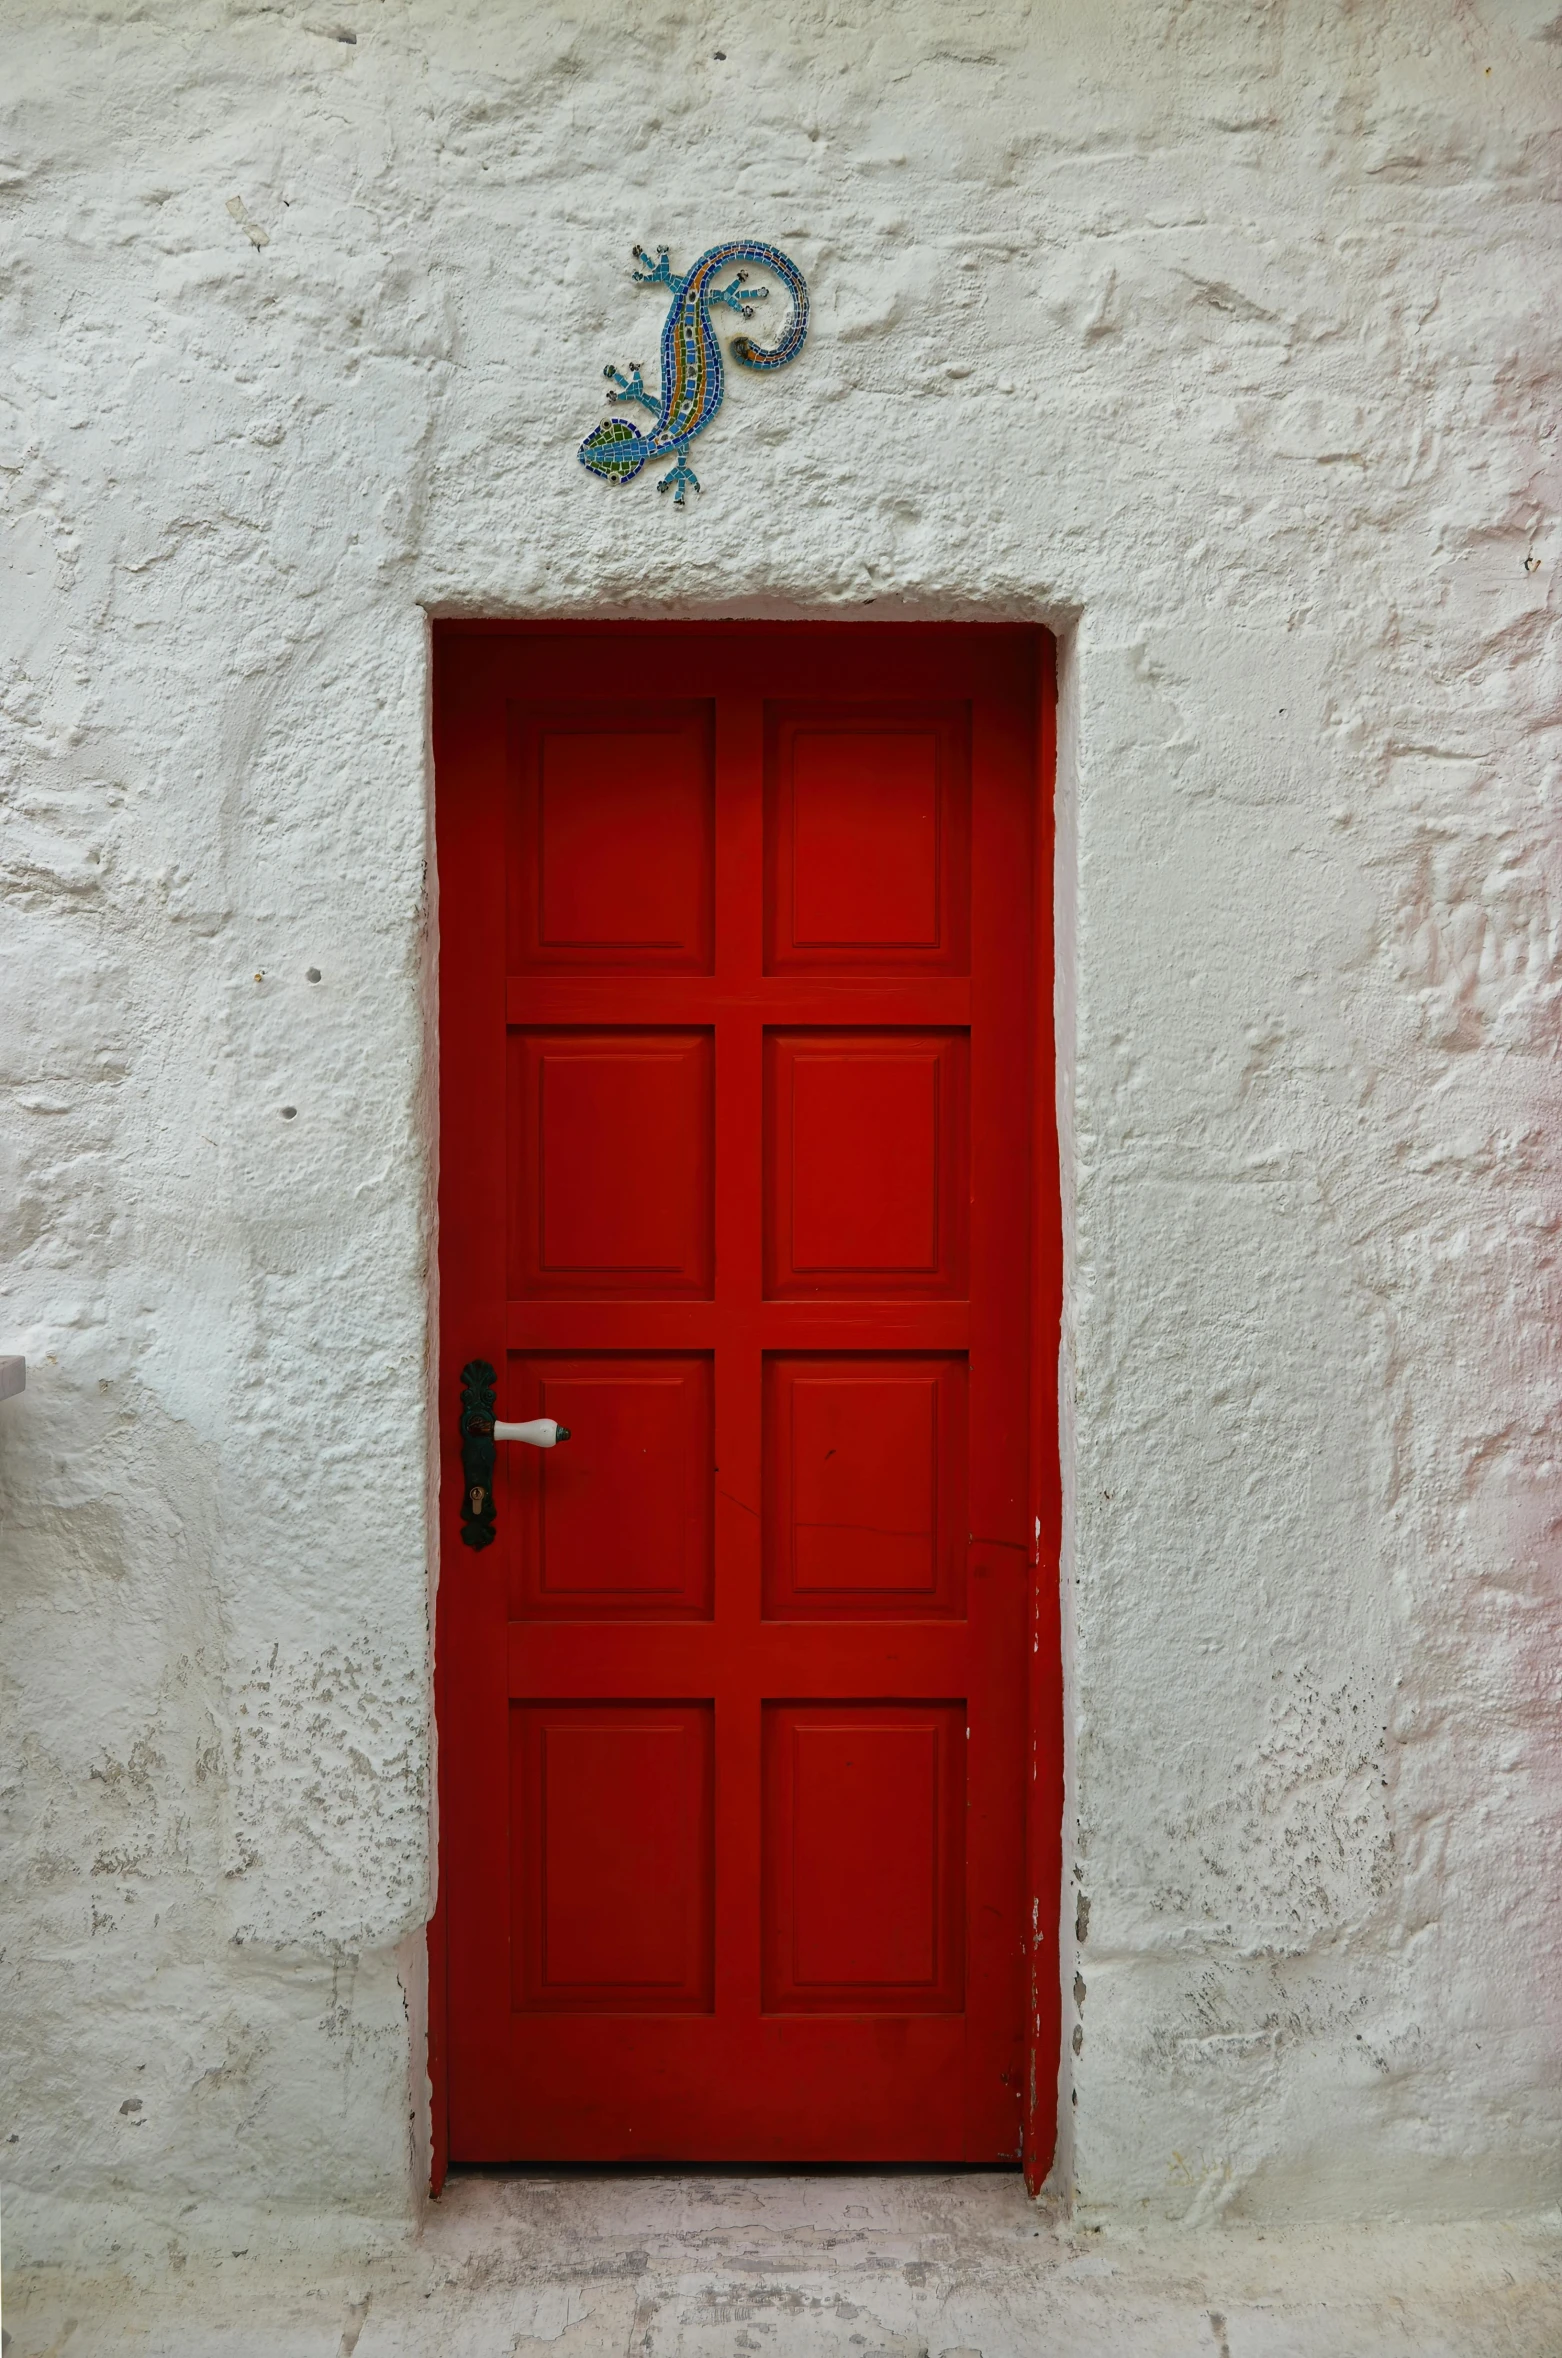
{"x": 1224, "y": 338}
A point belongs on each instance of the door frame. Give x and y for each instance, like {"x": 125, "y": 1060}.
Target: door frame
{"x": 1044, "y": 1799}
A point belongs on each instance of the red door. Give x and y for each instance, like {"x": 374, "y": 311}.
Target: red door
{"x": 737, "y": 1093}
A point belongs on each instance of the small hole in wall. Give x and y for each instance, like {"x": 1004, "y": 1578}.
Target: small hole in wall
{"x": 290, "y": 1113}
{"x": 311, "y": 974}
{"x": 721, "y": 57}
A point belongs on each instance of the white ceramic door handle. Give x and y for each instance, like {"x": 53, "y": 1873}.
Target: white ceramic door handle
{"x": 542, "y": 1432}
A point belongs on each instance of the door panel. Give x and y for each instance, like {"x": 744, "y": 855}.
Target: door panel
{"x": 864, "y": 1491}
{"x": 611, "y": 1865}
{"x": 736, "y": 1102}
{"x": 610, "y": 1162}
{"x": 867, "y": 1141}
{"x": 863, "y": 1862}
{"x": 611, "y": 839}
{"x": 619, "y": 1525}
{"x": 867, "y": 838}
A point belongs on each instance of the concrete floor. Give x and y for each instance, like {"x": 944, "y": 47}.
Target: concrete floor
{"x": 895, "y": 2266}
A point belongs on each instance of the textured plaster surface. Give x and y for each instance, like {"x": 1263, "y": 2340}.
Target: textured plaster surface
{"x": 864, "y": 2267}
{"x": 1222, "y": 338}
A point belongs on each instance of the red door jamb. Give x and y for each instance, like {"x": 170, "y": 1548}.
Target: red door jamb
{"x": 1044, "y": 1748}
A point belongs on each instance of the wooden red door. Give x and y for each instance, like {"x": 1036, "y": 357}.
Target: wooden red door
{"x": 737, "y": 1062}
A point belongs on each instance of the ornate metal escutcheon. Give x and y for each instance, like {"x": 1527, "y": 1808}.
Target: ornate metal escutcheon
{"x": 477, "y": 1453}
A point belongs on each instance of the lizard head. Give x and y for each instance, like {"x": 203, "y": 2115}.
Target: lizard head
{"x": 614, "y": 451}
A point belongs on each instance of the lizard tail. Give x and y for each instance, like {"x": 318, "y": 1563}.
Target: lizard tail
{"x": 743, "y": 348}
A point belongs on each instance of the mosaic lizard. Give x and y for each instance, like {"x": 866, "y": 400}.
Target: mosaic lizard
{"x": 691, "y": 361}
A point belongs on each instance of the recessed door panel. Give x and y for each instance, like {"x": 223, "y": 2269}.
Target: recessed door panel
{"x": 611, "y": 1162}
{"x": 865, "y": 1489}
{"x": 867, "y": 838}
{"x": 867, "y": 1155}
{"x": 617, "y": 1524}
{"x": 737, "y": 1076}
{"x": 611, "y": 1864}
{"x": 611, "y": 851}
{"x": 863, "y": 1859}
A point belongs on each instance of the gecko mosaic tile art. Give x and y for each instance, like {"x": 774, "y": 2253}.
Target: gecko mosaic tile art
{"x": 692, "y": 374}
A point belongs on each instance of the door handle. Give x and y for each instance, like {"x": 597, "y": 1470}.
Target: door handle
{"x": 480, "y": 1428}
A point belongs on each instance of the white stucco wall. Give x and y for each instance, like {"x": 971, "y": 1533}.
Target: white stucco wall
{"x": 1224, "y": 337}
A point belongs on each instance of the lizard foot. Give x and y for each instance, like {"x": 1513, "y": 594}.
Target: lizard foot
{"x": 738, "y": 295}
{"x": 631, "y": 388}
{"x": 659, "y": 273}
{"x": 681, "y": 478}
